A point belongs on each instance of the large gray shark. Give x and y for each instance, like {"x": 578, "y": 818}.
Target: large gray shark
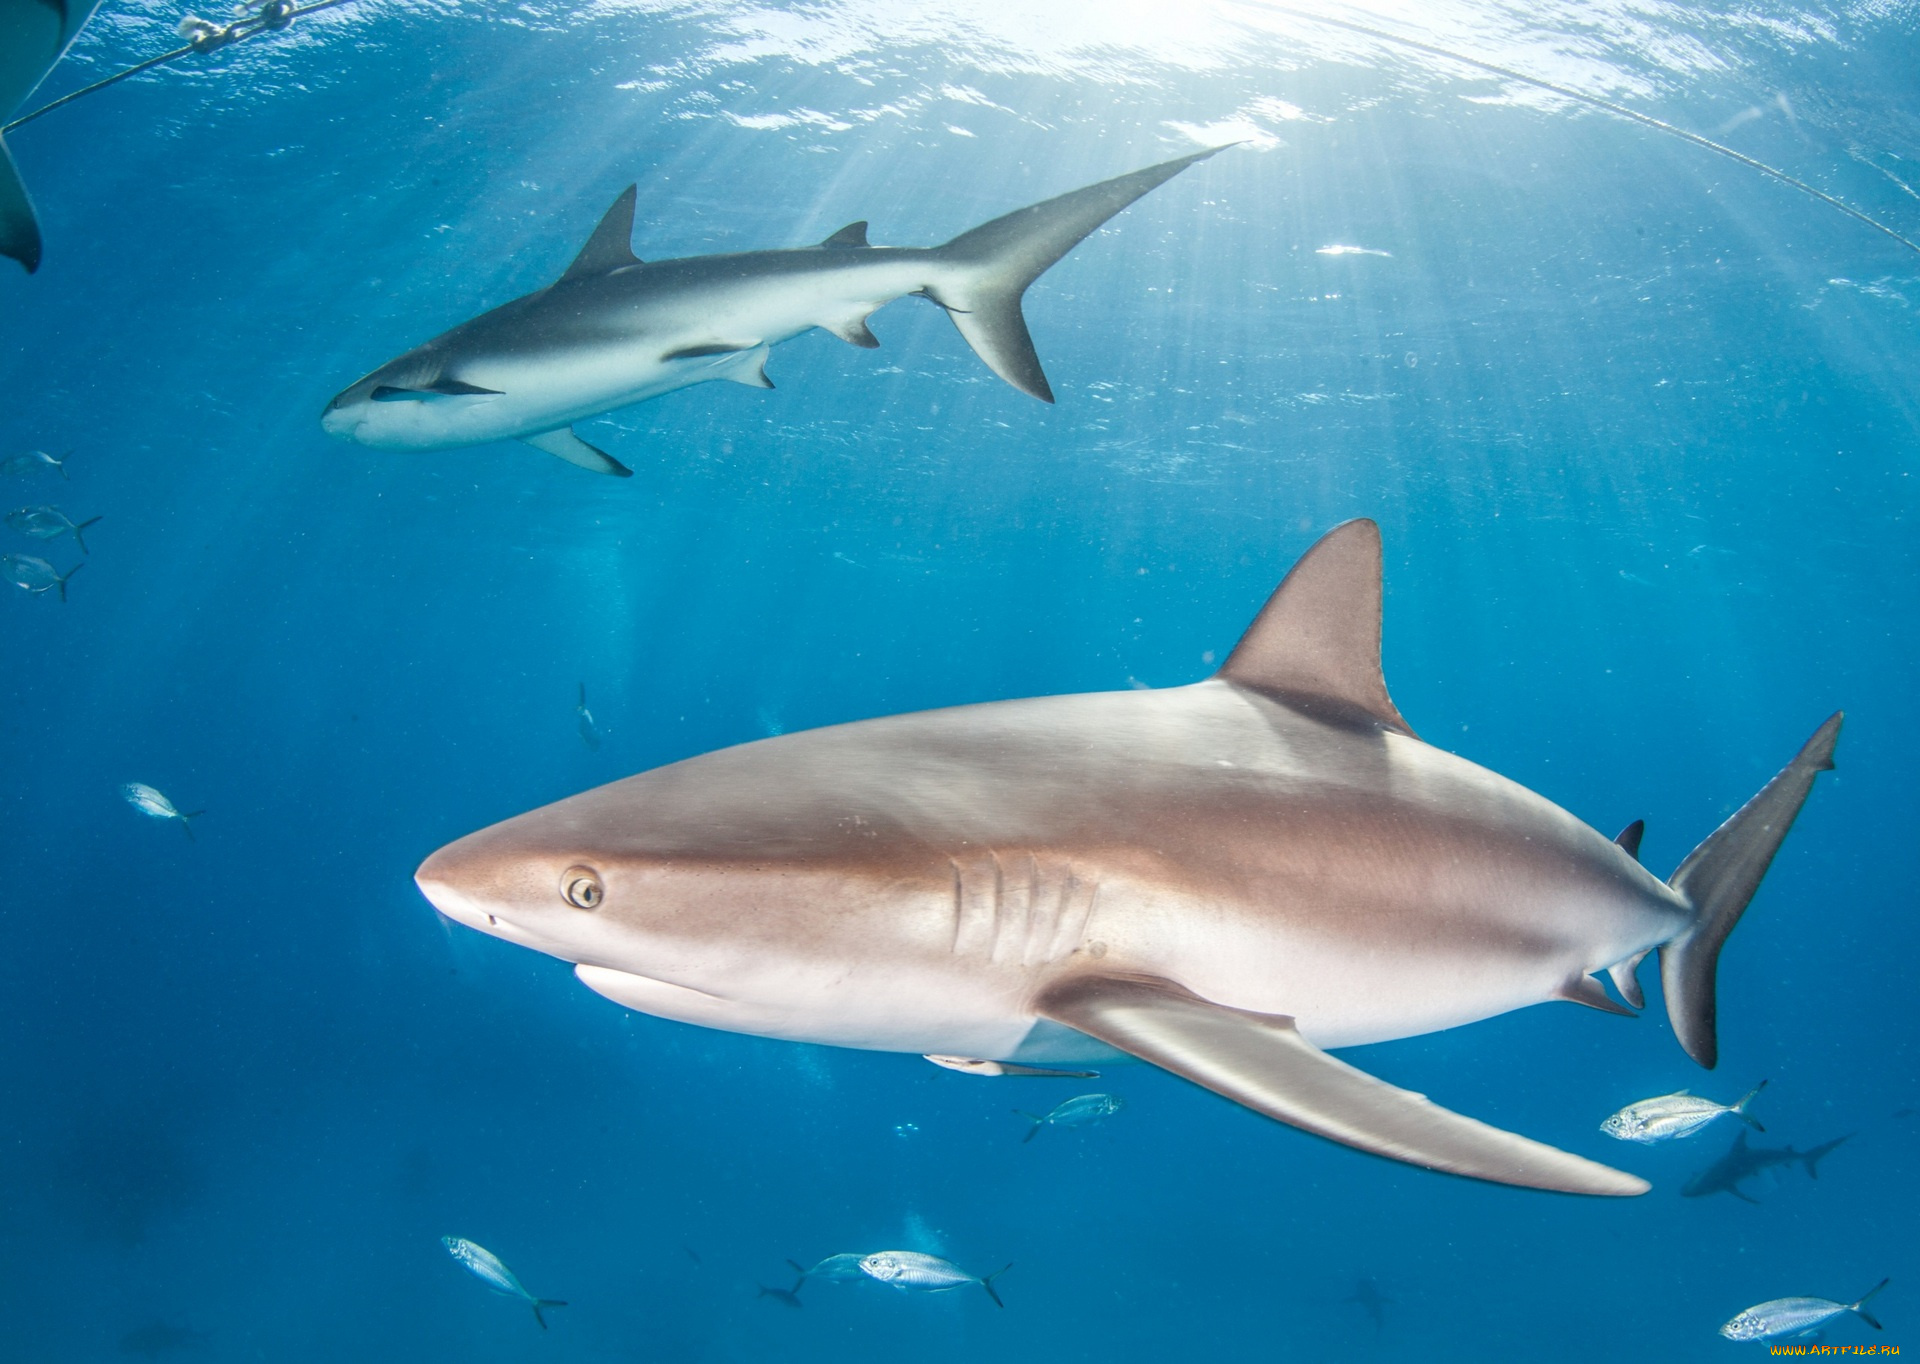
{"x": 1222, "y": 879}
{"x": 33, "y": 34}
{"x": 614, "y": 330}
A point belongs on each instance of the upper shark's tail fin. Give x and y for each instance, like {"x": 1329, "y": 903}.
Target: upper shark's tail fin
{"x": 19, "y": 229}
{"x": 1811, "y": 1159}
{"x": 990, "y": 267}
{"x": 1718, "y": 878}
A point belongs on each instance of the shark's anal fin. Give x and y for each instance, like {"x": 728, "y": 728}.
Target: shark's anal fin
{"x": 576, "y": 451}
{"x": 1590, "y": 992}
{"x": 1261, "y": 1060}
{"x": 610, "y": 247}
{"x": 19, "y": 228}
{"x": 1625, "y": 976}
{"x": 1316, "y": 643}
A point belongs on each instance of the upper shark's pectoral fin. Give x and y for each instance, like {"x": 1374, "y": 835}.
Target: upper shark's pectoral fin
{"x": 849, "y": 238}
{"x": 1261, "y": 1060}
{"x": 439, "y": 388}
{"x": 610, "y": 247}
{"x": 1316, "y": 642}
{"x": 576, "y": 451}
{"x": 19, "y": 229}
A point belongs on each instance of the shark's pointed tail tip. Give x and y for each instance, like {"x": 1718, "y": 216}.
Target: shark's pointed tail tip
{"x": 1719, "y": 877}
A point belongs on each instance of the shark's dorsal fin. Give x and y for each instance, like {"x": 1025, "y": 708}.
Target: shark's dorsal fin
{"x": 1316, "y": 643}
{"x": 851, "y": 236}
{"x": 610, "y": 247}
{"x": 1629, "y": 838}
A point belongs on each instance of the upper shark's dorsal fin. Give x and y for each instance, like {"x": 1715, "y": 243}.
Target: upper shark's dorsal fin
{"x": 1629, "y": 838}
{"x": 1317, "y": 640}
{"x": 851, "y": 236}
{"x": 610, "y": 247}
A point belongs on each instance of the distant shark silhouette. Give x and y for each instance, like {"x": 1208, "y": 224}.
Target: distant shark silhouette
{"x": 1221, "y": 879}
{"x": 33, "y": 34}
{"x": 615, "y": 330}
{"x": 1366, "y": 1293}
{"x": 1742, "y": 1162}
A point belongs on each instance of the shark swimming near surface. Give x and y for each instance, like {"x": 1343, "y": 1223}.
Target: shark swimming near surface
{"x": 614, "y": 330}
{"x": 1224, "y": 879}
{"x": 33, "y": 34}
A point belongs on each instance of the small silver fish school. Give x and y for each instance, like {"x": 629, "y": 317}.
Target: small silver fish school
{"x": 1796, "y": 1316}
{"x": 485, "y": 1266}
{"x": 909, "y": 1269}
{"x": 589, "y": 731}
{"x": 33, "y": 461}
{"x": 1676, "y": 1115}
{"x": 35, "y": 575}
{"x": 1081, "y": 1111}
{"x": 149, "y": 801}
{"x": 48, "y": 523}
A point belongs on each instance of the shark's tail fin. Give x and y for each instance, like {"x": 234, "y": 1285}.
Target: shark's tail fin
{"x": 19, "y": 229}
{"x": 985, "y": 271}
{"x": 90, "y": 521}
{"x": 1811, "y": 1159}
{"x": 1740, "y": 1109}
{"x": 1858, "y": 1305}
{"x": 1718, "y": 878}
{"x": 987, "y": 1283}
{"x": 540, "y": 1305}
{"x": 63, "y": 581}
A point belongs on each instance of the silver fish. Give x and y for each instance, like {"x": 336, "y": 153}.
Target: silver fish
{"x": 48, "y": 523}
{"x": 1676, "y": 1115}
{"x": 148, "y": 801}
{"x": 909, "y": 1269}
{"x": 485, "y": 1266}
{"x": 589, "y": 732}
{"x": 32, "y": 461}
{"x": 1796, "y": 1316}
{"x": 1081, "y": 1111}
{"x": 35, "y": 575}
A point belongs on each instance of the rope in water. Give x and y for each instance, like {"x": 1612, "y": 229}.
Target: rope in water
{"x": 1647, "y": 120}
{"x": 204, "y": 37}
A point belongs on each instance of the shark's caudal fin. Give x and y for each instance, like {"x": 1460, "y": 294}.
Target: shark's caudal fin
{"x": 19, "y": 229}
{"x": 988, "y": 269}
{"x": 540, "y": 1305}
{"x": 1261, "y": 1060}
{"x": 1811, "y": 1159}
{"x": 1718, "y": 878}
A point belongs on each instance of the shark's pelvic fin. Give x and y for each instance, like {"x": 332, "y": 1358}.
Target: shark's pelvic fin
{"x": 1317, "y": 640}
{"x": 19, "y": 228}
{"x": 749, "y": 367}
{"x": 991, "y": 267}
{"x": 1629, "y": 838}
{"x": 1590, "y": 992}
{"x": 855, "y": 332}
{"x": 1261, "y": 1060}
{"x": 1719, "y": 877}
{"x": 610, "y": 247}
{"x": 850, "y": 237}
{"x": 576, "y": 451}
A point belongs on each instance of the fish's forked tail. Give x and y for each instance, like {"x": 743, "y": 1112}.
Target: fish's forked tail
{"x": 987, "y": 1283}
{"x": 1718, "y": 878}
{"x": 1739, "y": 1110}
{"x": 92, "y": 521}
{"x": 1811, "y": 1159}
{"x": 186, "y": 819}
{"x": 1858, "y": 1305}
{"x": 1037, "y": 1121}
{"x": 984, "y": 272}
{"x": 540, "y": 1305}
{"x": 63, "y": 581}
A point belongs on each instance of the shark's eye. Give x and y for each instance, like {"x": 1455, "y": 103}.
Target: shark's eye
{"x": 581, "y": 888}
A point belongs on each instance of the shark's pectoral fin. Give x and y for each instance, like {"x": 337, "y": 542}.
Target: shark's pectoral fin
{"x": 576, "y": 451}
{"x": 19, "y": 229}
{"x": 1261, "y": 1060}
{"x": 439, "y": 388}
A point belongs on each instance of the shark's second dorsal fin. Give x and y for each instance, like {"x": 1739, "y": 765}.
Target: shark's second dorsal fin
{"x": 848, "y": 238}
{"x": 1317, "y": 640}
{"x": 610, "y": 247}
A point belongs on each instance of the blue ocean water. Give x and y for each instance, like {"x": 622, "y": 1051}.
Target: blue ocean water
{"x": 1638, "y": 424}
